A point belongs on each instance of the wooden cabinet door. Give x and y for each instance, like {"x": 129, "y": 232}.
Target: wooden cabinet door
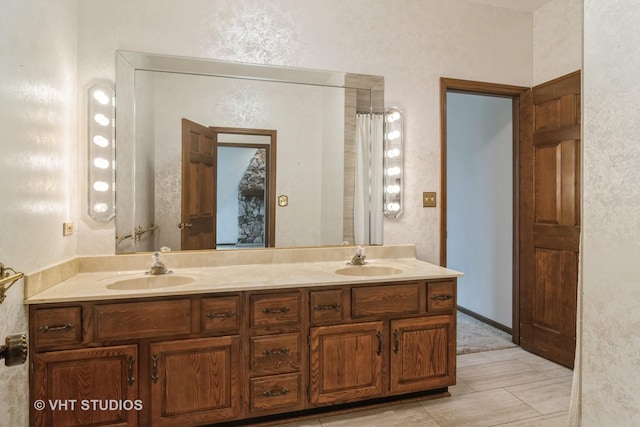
{"x": 195, "y": 381}
{"x": 78, "y": 387}
{"x": 346, "y": 363}
{"x": 423, "y": 353}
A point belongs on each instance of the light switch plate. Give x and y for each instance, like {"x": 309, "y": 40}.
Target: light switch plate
{"x": 67, "y": 228}
{"x": 429, "y": 199}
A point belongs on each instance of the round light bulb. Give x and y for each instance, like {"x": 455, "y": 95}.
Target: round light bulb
{"x": 394, "y": 152}
{"x": 100, "y": 186}
{"x": 100, "y": 207}
{"x": 101, "y": 163}
{"x": 393, "y": 189}
{"x": 101, "y": 141}
{"x": 101, "y": 97}
{"x": 393, "y": 171}
{"x": 101, "y": 119}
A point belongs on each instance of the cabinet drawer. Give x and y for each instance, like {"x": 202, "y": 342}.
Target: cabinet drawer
{"x": 220, "y": 314}
{"x": 58, "y": 326}
{"x": 441, "y": 296}
{"x": 275, "y": 310}
{"x": 326, "y": 305}
{"x": 275, "y": 392}
{"x": 142, "y": 319}
{"x": 275, "y": 354}
{"x": 386, "y": 299}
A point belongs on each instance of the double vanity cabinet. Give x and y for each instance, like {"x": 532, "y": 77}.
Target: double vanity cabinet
{"x": 217, "y": 355}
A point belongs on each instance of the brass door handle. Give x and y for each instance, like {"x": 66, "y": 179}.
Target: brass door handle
{"x": 184, "y": 225}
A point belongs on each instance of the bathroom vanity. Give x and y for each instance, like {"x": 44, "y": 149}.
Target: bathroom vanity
{"x": 285, "y": 338}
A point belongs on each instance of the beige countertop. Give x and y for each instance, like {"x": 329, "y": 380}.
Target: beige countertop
{"x": 95, "y": 285}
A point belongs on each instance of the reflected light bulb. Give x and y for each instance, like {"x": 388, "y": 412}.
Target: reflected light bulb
{"x": 100, "y": 207}
{"x": 101, "y": 97}
{"x": 393, "y": 135}
{"x": 393, "y": 171}
{"x": 100, "y": 186}
{"x": 393, "y": 189}
{"x": 393, "y": 207}
{"x": 101, "y": 119}
{"x": 101, "y": 141}
{"x": 394, "y": 152}
{"x": 101, "y": 163}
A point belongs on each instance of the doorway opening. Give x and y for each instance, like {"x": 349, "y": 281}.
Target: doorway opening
{"x": 478, "y": 228}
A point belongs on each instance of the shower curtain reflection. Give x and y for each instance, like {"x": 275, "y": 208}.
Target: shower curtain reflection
{"x": 368, "y": 214}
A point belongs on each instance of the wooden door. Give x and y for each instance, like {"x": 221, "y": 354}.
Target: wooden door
{"x": 198, "y": 214}
{"x": 346, "y": 363}
{"x": 75, "y": 385}
{"x": 423, "y": 353}
{"x": 549, "y": 192}
{"x": 195, "y": 381}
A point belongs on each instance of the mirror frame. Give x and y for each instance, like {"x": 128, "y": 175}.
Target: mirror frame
{"x": 366, "y": 94}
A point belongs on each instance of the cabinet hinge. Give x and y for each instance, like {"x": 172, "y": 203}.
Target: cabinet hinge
{"x": 308, "y": 339}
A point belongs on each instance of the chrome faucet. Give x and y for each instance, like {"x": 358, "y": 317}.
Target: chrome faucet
{"x": 359, "y": 257}
{"x": 158, "y": 266}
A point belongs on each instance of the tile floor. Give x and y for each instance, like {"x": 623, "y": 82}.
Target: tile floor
{"x": 508, "y": 388}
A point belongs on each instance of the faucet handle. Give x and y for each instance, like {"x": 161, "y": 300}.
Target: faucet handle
{"x": 360, "y": 252}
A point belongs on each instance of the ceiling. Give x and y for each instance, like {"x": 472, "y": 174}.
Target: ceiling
{"x": 522, "y": 5}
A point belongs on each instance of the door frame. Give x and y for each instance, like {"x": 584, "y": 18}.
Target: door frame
{"x": 488, "y": 89}
{"x": 270, "y": 191}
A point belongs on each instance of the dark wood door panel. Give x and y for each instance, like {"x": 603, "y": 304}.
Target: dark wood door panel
{"x": 549, "y": 217}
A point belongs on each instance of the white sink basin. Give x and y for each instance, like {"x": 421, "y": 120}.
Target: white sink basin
{"x": 368, "y": 270}
{"x": 150, "y": 282}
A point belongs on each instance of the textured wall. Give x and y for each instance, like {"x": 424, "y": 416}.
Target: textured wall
{"x": 611, "y": 226}
{"x": 557, "y": 40}
{"x": 37, "y": 189}
{"x": 412, "y": 43}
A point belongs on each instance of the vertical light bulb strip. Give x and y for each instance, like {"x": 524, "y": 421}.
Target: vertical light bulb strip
{"x": 101, "y": 150}
{"x": 393, "y": 162}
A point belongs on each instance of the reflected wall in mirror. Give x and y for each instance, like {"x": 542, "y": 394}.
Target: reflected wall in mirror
{"x": 326, "y": 126}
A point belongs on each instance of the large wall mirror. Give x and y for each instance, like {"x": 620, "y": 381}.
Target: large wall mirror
{"x": 322, "y": 180}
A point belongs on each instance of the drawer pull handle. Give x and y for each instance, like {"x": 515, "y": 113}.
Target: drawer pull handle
{"x": 130, "y": 378}
{"x": 227, "y": 314}
{"x": 46, "y": 328}
{"x": 275, "y": 310}
{"x": 272, "y": 393}
{"x": 442, "y": 297}
{"x": 379, "y": 336}
{"x": 396, "y": 345}
{"x": 281, "y": 352}
{"x": 327, "y": 307}
{"x": 154, "y": 372}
